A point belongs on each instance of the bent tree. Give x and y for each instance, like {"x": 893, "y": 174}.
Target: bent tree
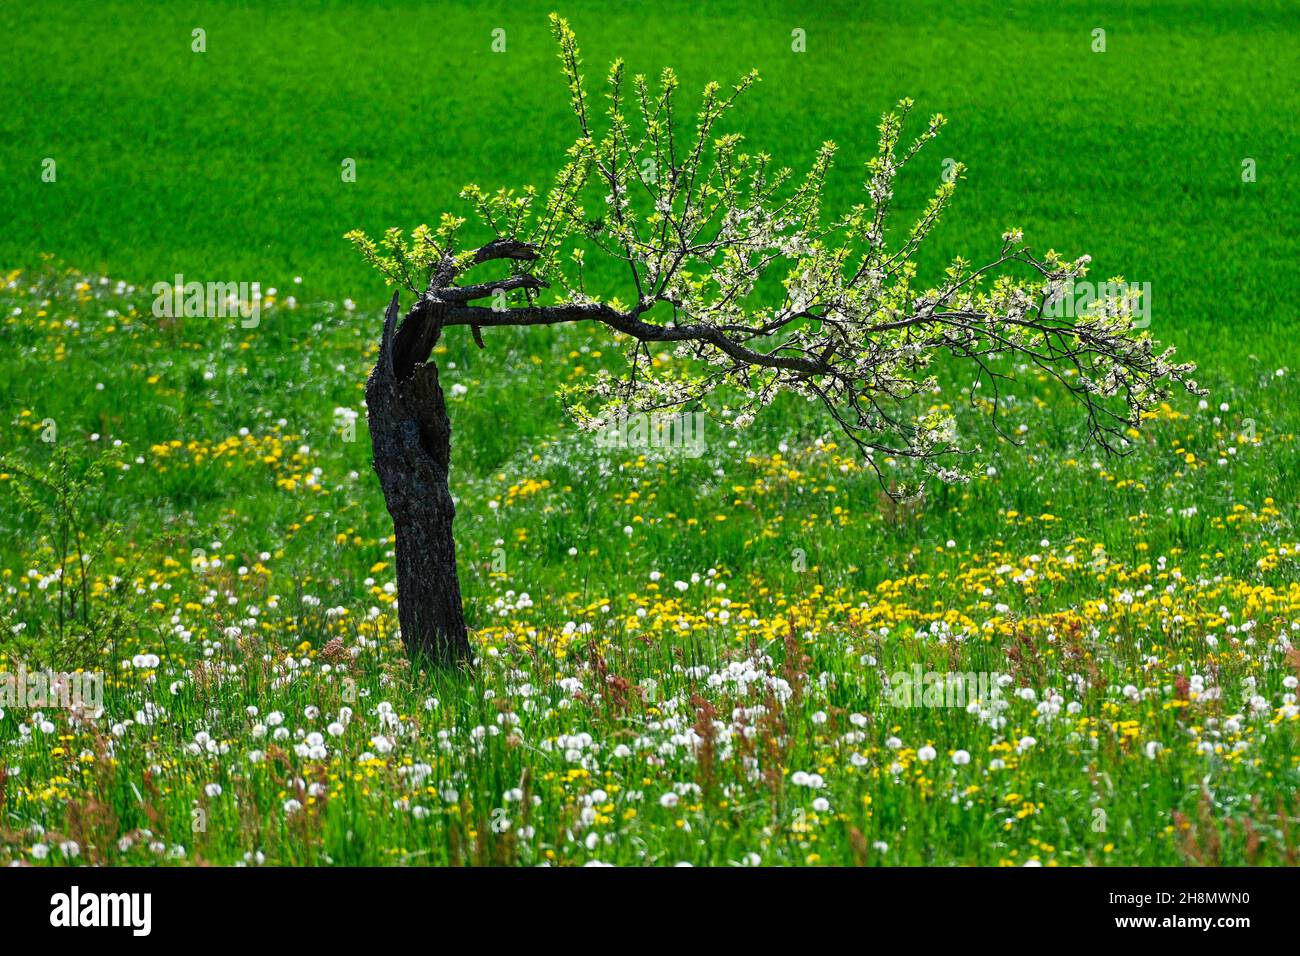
{"x": 735, "y": 264}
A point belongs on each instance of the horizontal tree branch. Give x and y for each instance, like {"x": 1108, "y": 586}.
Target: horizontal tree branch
{"x": 484, "y": 289}
{"x": 506, "y": 249}
{"x": 631, "y": 324}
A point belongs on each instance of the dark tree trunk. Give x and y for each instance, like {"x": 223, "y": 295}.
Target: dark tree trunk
{"x": 411, "y": 437}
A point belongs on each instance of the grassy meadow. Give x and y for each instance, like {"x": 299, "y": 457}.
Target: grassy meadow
{"x": 681, "y": 660}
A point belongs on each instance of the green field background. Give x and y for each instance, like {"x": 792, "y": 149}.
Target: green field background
{"x": 225, "y": 165}
{"x": 775, "y": 549}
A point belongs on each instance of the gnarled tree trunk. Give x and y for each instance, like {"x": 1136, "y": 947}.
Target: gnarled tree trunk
{"x": 411, "y": 437}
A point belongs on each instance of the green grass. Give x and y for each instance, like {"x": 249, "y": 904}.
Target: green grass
{"x": 225, "y": 166}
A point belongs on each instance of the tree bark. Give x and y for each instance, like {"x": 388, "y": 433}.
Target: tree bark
{"x": 411, "y": 438}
